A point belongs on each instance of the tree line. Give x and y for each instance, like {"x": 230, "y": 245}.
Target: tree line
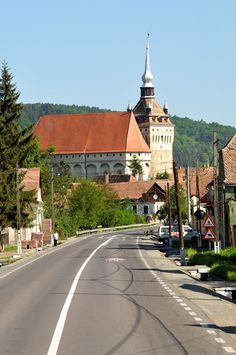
{"x": 77, "y": 204}
{"x": 193, "y": 139}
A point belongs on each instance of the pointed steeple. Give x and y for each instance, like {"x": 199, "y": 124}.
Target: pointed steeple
{"x": 147, "y": 89}
{"x": 147, "y": 75}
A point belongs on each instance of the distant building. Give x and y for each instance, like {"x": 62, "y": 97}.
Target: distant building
{"x": 31, "y": 182}
{"x": 146, "y": 197}
{"x": 94, "y": 144}
{"x": 155, "y": 124}
{"x": 106, "y": 143}
{"x": 227, "y": 192}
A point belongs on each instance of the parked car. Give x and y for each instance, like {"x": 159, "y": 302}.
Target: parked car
{"x": 188, "y": 233}
{"x": 163, "y": 230}
{"x": 186, "y": 229}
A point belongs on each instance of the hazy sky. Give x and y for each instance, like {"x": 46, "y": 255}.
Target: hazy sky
{"x": 92, "y": 52}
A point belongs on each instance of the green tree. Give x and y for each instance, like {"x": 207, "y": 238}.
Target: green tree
{"x": 135, "y": 166}
{"x": 162, "y": 214}
{"x": 15, "y": 145}
{"x": 163, "y": 176}
{"x": 88, "y": 202}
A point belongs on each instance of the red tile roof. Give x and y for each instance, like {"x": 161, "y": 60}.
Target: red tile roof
{"x": 31, "y": 179}
{"x": 91, "y": 133}
{"x": 228, "y": 154}
{"x": 205, "y": 177}
{"x": 135, "y": 189}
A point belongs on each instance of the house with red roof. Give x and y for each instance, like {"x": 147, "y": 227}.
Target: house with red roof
{"x": 146, "y": 197}
{"x": 227, "y": 192}
{"x": 31, "y": 182}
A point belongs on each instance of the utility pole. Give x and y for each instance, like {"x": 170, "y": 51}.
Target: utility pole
{"x": 188, "y": 196}
{"x": 18, "y": 213}
{"x": 169, "y": 212}
{"x": 52, "y": 201}
{"x": 199, "y": 226}
{"x": 216, "y": 200}
{"x": 180, "y": 226}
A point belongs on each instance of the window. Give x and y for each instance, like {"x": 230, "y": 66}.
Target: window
{"x": 119, "y": 169}
{"x": 145, "y": 209}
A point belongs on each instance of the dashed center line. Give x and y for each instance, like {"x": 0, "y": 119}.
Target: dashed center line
{"x": 220, "y": 340}
{"x": 189, "y": 309}
{"x": 228, "y": 349}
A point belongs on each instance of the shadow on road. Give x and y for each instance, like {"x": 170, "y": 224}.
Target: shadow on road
{"x": 229, "y": 330}
{"x": 132, "y": 246}
{"x": 196, "y": 288}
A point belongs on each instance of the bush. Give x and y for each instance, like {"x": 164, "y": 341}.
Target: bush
{"x": 224, "y": 271}
{"x": 222, "y": 264}
{"x": 123, "y": 217}
{"x": 8, "y": 247}
{"x": 189, "y": 252}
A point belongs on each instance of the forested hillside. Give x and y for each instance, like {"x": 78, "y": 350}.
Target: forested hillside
{"x": 193, "y": 139}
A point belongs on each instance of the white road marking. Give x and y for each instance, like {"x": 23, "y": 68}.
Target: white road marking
{"x": 204, "y": 325}
{"x": 212, "y": 332}
{"x": 114, "y": 259}
{"x": 198, "y": 319}
{"x": 48, "y": 252}
{"x": 61, "y": 321}
{"x": 220, "y": 340}
{"x": 192, "y": 313}
{"x": 228, "y": 349}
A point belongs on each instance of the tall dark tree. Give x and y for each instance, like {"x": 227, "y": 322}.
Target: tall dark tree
{"x": 15, "y": 145}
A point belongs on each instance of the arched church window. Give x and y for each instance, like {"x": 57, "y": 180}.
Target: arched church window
{"x": 78, "y": 170}
{"x": 91, "y": 171}
{"x": 119, "y": 169}
{"x": 105, "y": 168}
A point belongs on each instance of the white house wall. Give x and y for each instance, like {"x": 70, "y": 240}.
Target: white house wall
{"x": 102, "y": 163}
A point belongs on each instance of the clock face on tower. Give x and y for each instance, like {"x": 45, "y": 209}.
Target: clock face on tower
{"x": 155, "y": 197}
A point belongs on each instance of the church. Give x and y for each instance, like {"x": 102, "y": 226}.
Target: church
{"x": 106, "y": 143}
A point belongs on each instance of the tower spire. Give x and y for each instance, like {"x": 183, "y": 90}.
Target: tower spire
{"x": 147, "y": 75}
{"x": 147, "y": 89}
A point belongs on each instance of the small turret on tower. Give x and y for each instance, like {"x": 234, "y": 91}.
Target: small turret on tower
{"x": 129, "y": 108}
{"x": 165, "y": 108}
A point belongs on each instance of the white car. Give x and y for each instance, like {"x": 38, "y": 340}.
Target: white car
{"x": 163, "y": 230}
{"x": 188, "y": 233}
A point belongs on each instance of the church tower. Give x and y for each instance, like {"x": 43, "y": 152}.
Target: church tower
{"x": 154, "y": 124}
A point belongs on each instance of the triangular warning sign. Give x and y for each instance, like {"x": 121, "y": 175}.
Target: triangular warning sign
{"x": 209, "y": 222}
{"x": 209, "y": 235}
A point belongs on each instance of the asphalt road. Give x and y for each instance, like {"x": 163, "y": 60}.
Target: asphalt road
{"x": 97, "y": 295}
